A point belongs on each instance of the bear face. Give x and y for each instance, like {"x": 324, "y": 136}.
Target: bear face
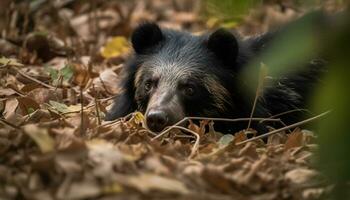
{"x": 175, "y": 74}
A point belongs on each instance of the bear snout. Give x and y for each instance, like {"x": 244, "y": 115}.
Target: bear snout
{"x": 156, "y": 120}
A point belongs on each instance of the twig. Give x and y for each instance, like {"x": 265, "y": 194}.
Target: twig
{"x": 262, "y": 75}
{"x": 196, "y": 144}
{"x": 285, "y": 128}
{"x": 211, "y": 119}
{"x": 117, "y": 120}
{"x": 96, "y": 106}
{"x": 33, "y": 79}
{"x": 287, "y": 112}
{"x": 3, "y": 121}
{"x": 90, "y": 105}
{"x": 81, "y": 111}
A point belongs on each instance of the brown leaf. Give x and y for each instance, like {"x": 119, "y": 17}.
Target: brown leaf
{"x": 249, "y": 150}
{"x": 239, "y": 137}
{"x": 106, "y": 81}
{"x": 276, "y": 139}
{"x": 40, "y": 137}
{"x": 7, "y": 92}
{"x": 44, "y": 95}
{"x": 81, "y": 75}
{"x": 27, "y": 105}
{"x": 194, "y": 127}
{"x": 295, "y": 139}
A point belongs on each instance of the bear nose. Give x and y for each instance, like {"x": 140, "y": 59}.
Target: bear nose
{"x": 156, "y": 120}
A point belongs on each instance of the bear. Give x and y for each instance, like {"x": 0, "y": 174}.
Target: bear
{"x": 174, "y": 74}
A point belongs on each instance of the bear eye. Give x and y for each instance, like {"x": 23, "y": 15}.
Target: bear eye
{"x": 189, "y": 91}
{"x": 148, "y": 86}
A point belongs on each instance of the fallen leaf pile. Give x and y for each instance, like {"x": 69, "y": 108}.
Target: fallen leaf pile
{"x": 58, "y": 79}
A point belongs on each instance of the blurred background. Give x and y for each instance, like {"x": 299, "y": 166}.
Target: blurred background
{"x": 86, "y": 25}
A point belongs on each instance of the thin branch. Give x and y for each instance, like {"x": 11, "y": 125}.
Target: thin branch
{"x": 211, "y": 119}
{"x": 96, "y": 106}
{"x": 3, "y": 121}
{"x": 109, "y": 123}
{"x": 262, "y": 75}
{"x": 33, "y": 79}
{"x": 196, "y": 144}
{"x": 82, "y": 111}
{"x": 285, "y": 128}
{"x": 286, "y": 112}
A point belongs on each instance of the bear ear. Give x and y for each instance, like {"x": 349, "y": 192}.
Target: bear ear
{"x": 146, "y": 36}
{"x": 225, "y": 46}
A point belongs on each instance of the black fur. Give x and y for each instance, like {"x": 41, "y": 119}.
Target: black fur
{"x": 220, "y": 55}
{"x": 224, "y": 45}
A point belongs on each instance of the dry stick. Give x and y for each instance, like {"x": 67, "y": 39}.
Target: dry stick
{"x": 284, "y": 113}
{"x": 287, "y": 112}
{"x": 81, "y": 111}
{"x": 254, "y": 105}
{"x": 196, "y": 144}
{"x": 33, "y": 79}
{"x": 285, "y": 128}
{"x": 117, "y": 120}
{"x": 96, "y": 106}
{"x": 91, "y": 105}
{"x": 262, "y": 75}
{"x": 211, "y": 119}
{"x": 3, "y": 121}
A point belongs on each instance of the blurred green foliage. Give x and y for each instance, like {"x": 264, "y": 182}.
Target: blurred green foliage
{"x": 334, "y": 131}
{"x": 229, "y": 8}
{"x": 227, "y": 12}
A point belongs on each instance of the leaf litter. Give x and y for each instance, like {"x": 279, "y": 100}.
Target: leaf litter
{"x": 56, "y": 87}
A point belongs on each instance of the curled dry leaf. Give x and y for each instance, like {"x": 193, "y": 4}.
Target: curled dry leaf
{"x": 295, "y": 139}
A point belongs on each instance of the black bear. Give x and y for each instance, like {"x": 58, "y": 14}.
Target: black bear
{"x": 174, "y": 74}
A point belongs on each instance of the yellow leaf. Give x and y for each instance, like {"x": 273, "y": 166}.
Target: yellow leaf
{"x": 10, "y": 61}
{"x": 41, "y": 137}
{"x": 139, "y": 118}
{"x": 115, "y": 47}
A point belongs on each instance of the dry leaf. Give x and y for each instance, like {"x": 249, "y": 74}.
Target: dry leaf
{"x": 115, "y": 47}
{"x": 151, "y": 182}
{"x": 41, "y": 137}
{"x": 295, "y": 139}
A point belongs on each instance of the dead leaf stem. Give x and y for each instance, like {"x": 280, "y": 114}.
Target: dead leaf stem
{"x": 285, "y": 128}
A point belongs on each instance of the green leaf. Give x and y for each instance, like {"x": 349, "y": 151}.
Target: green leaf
{"x": 63, "y": 108}
{"x": 225, "y": 140}
{"x": 67, "y": 72}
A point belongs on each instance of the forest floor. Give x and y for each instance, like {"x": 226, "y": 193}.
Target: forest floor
{"x": 59, "y": 68}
